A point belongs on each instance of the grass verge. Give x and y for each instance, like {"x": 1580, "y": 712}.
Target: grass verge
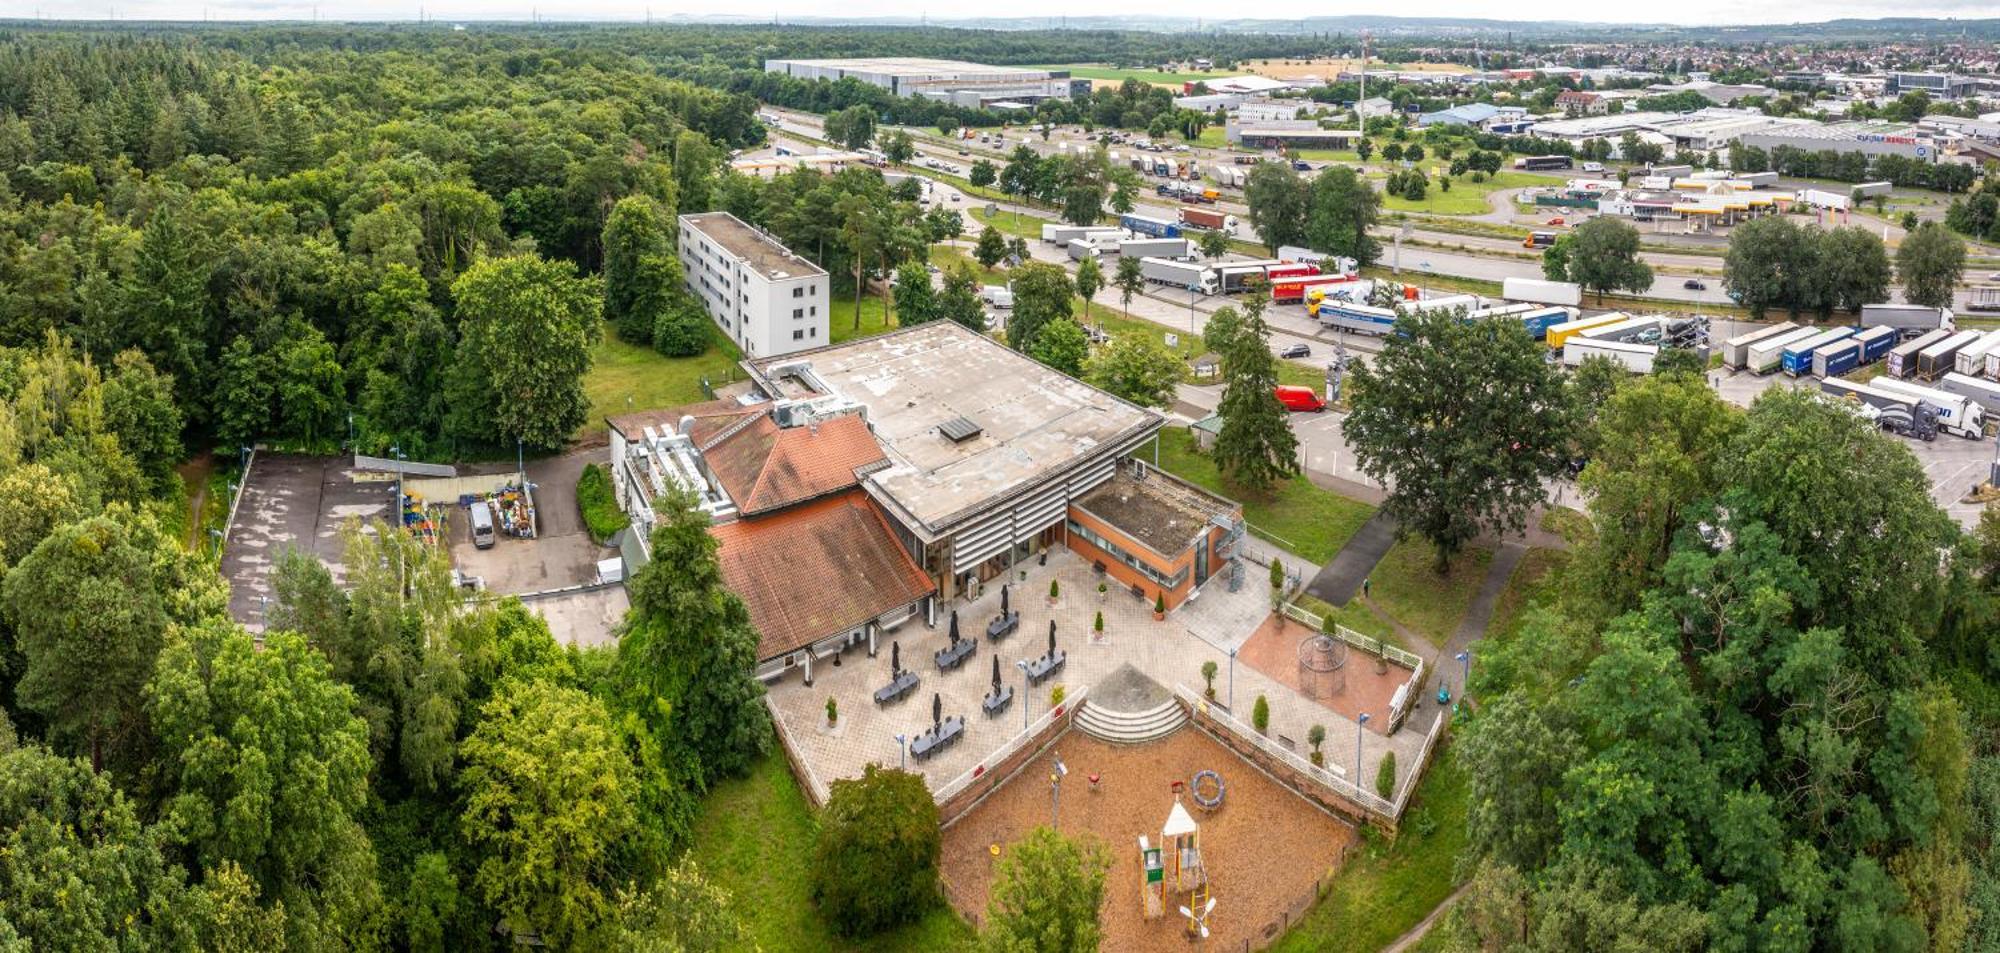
{"x": 626, "y": 377}
{"x": 1009, "y": 223}
{"x": 755, "y": 839}
{"x": 1532, "y": 583}
{"x": 1301, "y": 517}
{"x": 1388, "y": 886}
{"x": 1411, "y": 593}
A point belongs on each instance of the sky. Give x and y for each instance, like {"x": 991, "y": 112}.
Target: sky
{"x": 1689, "y": 12}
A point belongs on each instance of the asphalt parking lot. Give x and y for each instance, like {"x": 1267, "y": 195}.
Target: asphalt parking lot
{"x": 294, "y": 501}
{"x": 556, "y": 572}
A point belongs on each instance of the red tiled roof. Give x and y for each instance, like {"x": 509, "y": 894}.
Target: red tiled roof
{"x": 765, "y": 467}
{"x": 711, "y": 419}
{"x": 816, "y": 571}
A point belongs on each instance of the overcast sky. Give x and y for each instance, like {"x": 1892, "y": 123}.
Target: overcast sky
{"x": 1688, "y": 12}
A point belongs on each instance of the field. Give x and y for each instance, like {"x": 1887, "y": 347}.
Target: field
{"x": 1264, "y": 848}
{"x": 1306, "y": 519}
{"x": 625, "y": 377}
{"x": 1009, "y": 223}
{"x": 1466, "y": 196}
{"x": 840, "y": 323}
{"x": 1327, "y": 69}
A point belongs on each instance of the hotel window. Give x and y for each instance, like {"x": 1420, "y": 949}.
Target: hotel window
{"x": 798, "y": 313}
{"x": 798, "y": 292}
{"x": 798, "y": 335}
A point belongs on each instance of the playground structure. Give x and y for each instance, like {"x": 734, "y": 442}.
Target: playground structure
{"x": 1322, "y": 666}
{"x": 1207, "y": 790}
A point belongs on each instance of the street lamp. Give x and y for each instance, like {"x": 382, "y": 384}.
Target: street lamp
{"x": 1465, "y": 679}
{"x": 1022, "y": 664}
{"x": 1232, "y": 679}
{"x": 903, "y": 744}
{"x": 397, "y": 450}
{"x": 1358, "y": 725}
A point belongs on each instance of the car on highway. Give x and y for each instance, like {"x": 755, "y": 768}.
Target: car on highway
{"x": 1558, "y": 220}
{"x": 1297, "y": 350}
{"x": 1695, "y": 284}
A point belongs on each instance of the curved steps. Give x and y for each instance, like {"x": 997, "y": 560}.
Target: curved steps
{"x": 1131, "y": 728}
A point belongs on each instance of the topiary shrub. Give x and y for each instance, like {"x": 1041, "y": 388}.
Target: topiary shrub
{"x": 1208, "y": 670}
{"x": 1260, "y": 715}
{"x": 1098, "y": 624}
{"x": 601, "y": 514}
{"x": 875, "y": 862}
{"x": 1385, "y": 776}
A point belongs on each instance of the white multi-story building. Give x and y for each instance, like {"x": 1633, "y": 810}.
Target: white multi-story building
{"x": 766, "y": 299}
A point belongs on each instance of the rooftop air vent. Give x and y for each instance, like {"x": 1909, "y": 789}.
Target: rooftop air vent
{"x": 959, "y": 429}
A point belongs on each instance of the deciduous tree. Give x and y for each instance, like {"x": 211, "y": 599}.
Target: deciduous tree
{"x": 1343, "y": 209}
{"x": 1046, "y": 894}
{"x": 526, "y": 326}
{"x": 1278, "y": 200}
{"x": 1930, "y": 262}
{"x": 875, "y": 863}
{"x": 1604, "y": 256}
{"x": 1137, "y": 368}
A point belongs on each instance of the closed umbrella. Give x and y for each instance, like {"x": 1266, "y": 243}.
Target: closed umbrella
{"x": 1003, "y": 601}
{"x": 895, "y": 659}
{"x": 954, "y": 626}
{"x": 937, "y": 710}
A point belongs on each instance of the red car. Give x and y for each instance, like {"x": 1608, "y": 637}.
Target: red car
{"x": 1298, "y": 398}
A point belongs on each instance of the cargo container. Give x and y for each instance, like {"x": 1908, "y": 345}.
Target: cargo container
{"x": 1971, "y": 360}
{"x": 1797, "y": 357}
{"x": 1366, "y": 319}
{"x": 1155, "y": 248}
{"x": 1836, "y": 358}
{"x": 1737, "y": 348}
{"x": 1875, "y": 342}
{"x": 1986, "y": 393}
{"x": 1637, "y": 358}
{"x": 1957, "y": 414}
{"x": 1442, "y": 303}
{"x": 1542, "y": 292}
{"x": 1983, "y": 299}
{"x": 1056, "y": 234}
{"x": 1208, "y": 219}
{"x": 1942, "y": 358}
{"x": 1560, "y": 333}
{"x": 1908, "y": 317}
{"x": 1767, "y": 355}
{"x": 1081, "y": 248}
{"x": 1539, "y": 321}
{"x": 1149, "y": 227}
{"x": 1903, "y": 357}
{"x": 1293, "y": 290}
{"x": 1627, "y": 330}
{"x": 1193, "y": 276}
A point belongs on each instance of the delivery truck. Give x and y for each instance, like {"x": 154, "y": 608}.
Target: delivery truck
{"x": 1559, "y": 334}
{"x": 1193, "y": 276}
{"x": 1064, "y": 234}
{"x": 1836, "y": 358}
{"x": 1637, "y": 358}
{"x": 1942, "y": 358}
{"x": 1208, "y": 218}
{"x": 997, "y": 296}
{"x": 1906, "y": 317}
{"x": 1899, "y": 413}
{"x": 1797, "y": 357}
{"x": 1983, "y": 392}
{"x": 1903, "y": 357}
{"x": 1293, "y": 290}
{"x": 1971, "y": 359}
{"x": 1737, "y": 349}
{"x": 1537, "y": 291}
{"x": 1298, "y": 398}
{"x": 1875, "y": 342}
{"x": 1767, "y": 355}
{"x": 1956, "y": 414}
{"x": 1149, "y": 226}
{"x": 1155, "y": 248}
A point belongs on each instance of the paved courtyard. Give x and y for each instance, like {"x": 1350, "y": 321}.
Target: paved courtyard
{"x": 1207, "y": 628}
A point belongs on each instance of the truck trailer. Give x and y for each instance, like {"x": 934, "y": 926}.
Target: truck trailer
{"x": 1540, "y": 320}
{"x": 1537, "y": 291}
{"x": 1293, "y": 290}
{"x": 1767, "y": 355}
{"x": 1208, "y": 219}
{"x": 1737, "y": 349}
{"x": 1193, "y": 276}
{"x": 1836, "y": 358}
{"x": 1558, "y": 334}
{"x": 1971, "y": 360}
{"x": 1155, "y": 248}
{"x": 1637, "y": 358}
{"x": 1986, "y": 393}
{"x": 1942, "y": 358}
{"x": 1149, "y": 227}
{"x": 1875, "y": 342}
{"x": 1366, "y": 319}
{"x": 1908, "y": 317}
{"x": 1797, "y": 357}
{"x": 1956, "y": 414}
{"x": 1903, "y": 357}
{"x": 1630, "y": 329}
{"x": 1056, "y": 234}
{"x": 1985, "y": 298}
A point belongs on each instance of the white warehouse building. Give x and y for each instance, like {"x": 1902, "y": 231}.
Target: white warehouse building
{"x": 766, "y": 299}
{"x": 953, "y": 81}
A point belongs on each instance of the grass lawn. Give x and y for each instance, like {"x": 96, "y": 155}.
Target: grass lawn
{"x": 1214, "y": 137}
{"x": 1388, "y": 886}
{"x": 625, "y": 377}
{"x": 1330, "y": 155}
{"x": 1308, "y": 520}
{"x": 1466, "y": 196}
{"x": 1533, "y": 583}
{"x": 840, "y": 321}
{"x": 1113, "y": 74}
{"x": 1355, "y": 616}
{"x": 1026, "y": 226}
{"x": 755, "y": 839}
{"x": 1406, "y": 588}
{"x": 948, "y": 258}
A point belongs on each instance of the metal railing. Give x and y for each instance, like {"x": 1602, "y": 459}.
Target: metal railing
{"x": 235, "y": 500}
{"x": 1068, "y": 709}
{"x": 1407, "y": 784}
{"x": 1327, "y": 777}
{"x": 1366, "y": 643}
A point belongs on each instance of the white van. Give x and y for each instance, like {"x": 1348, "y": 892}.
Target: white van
{"x": 482, "y": 525}
{"x": 1593, "y": 167}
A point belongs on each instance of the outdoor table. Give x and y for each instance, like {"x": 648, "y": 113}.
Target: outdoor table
{"x": 895, "y": 690}
{"x": 1002, "y": 626}
{"x": 944, "y": 736}
{"x": 1046, "y": 666}
{"x": 952, "y": 656}
{"x": 996, "y": 703}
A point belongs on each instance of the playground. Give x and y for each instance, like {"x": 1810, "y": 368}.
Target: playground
{"x": 1262, "y": 850}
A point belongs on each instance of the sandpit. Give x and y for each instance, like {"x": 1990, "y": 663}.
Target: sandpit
{"x": 1265, "y": 847}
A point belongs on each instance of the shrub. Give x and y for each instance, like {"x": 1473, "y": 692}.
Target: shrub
{"x": 1054, "y": 589}
{"x": 1277, "y": 574}
{"x": 1056, "y": 696}
{"x": 1208, "y": 670}
{"x": 601, "y": 514}
{"x": 681, "y": 330}
{"x": 876, "y": 858}
{"x": 1260, "y": 715}
{"x": 1385, "y": 776}
{"x": 1098, "y": 625}
{"x": 1316, "y": 736}
{"x": 832, "y": 711}
{"x": 1160, "y": 604}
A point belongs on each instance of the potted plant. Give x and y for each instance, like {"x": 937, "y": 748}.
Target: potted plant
{"x": 1056, "y": 696}
{"x": 1208, "y": 669}
{"x": 1097, "y": 626}
{"x": 1260, "y": 715}
{"x": 1055, "y": 589}
{"x": 832, "y": 712}
{"x": 1316, "y": 736}
{"x": 1160, "y": 607}
{"x": 1101, "y": 590}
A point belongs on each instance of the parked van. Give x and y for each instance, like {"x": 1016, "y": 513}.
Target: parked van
{"x": 1298, "y": 398}
{"x": 482, "y": 525}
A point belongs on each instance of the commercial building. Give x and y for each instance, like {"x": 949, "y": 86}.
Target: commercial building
{"x": 954, "y": 81}
{"x": 1289, "y": 134}
{"x": 1476, "y": 115}
{"x": 1867, "y": 138}
{"x": 1934, "y": 85}
{"x": 767, "y": 167}
{"x": 765, "y": 298}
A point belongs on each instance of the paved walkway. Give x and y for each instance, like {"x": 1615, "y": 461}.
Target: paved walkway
{"x": 1341, "y": 578}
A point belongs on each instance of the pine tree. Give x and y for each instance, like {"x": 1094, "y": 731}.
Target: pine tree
{"x": 1256, "y": 446}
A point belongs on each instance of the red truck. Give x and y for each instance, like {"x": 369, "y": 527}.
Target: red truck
{"x": 1298, "y": 398}
{"x": 1290, "y": 269}
{"x": 1293, "y": 290}
{"x": 1208, "y": 218}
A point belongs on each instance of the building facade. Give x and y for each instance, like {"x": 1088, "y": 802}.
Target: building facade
{"x": 765, "y": 298}
{"x": 954, "y": 81}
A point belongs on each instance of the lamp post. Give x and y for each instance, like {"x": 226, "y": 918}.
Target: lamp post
{"x": 397, "y": 450}
{"x": 903, "y": 745}
{"x": 1232, "y": 680}
{"x": 1358, "y": 725}
{"x": 1022, "y": 664}
{"x": 1465, "y": 678}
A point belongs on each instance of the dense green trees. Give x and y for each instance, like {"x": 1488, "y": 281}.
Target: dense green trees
{"x": 640, "y": 270}
{"x": 1137, "y": 368}
{"x": 1278, "y": 200}
{"x": 1602, "y": 255}
{"x": 1042, "y": 294}
{"x": 526, "y": 325}
{"x": 1046, "y": 895}
{"x": 1256, "y": 446}
{"x": 1342, "y": 208}
{"x": 1930, "y": 263}
{"x": 1773, "y": 262}
{"x": 875, "y": 864}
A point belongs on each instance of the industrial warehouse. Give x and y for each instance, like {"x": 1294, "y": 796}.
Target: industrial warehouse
{"x": 972, "y": 85}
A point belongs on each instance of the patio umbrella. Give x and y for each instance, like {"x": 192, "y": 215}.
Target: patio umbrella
{"x": 895, "y": 659}
{"x": 937, "y": 710}
{"x": 1052, "y": 638}
{"x": 954, "y": 626}
{"x": 996, "y": 674}
{"x": 1003, "y": 602}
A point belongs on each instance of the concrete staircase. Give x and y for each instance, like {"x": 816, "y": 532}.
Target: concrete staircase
{"x": 1130, "y": 728}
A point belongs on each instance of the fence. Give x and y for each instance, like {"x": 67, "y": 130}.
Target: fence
{"x": 1408, "y": 783}
{"x": 958, "y": 796}
{"x": 1399, "y": 708}
{"x": 801, "y": 768}
{"x": 235, "y": 500}
{"x": 1336, "y": 791}
{"x": 408, "y": 468}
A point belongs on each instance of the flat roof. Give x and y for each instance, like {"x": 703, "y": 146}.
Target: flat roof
{"x": 913, "y": 66}
{"x": 761, "y": 251}
{"x": 1034, "y": 422}
{"x": 1162, "y": 513}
